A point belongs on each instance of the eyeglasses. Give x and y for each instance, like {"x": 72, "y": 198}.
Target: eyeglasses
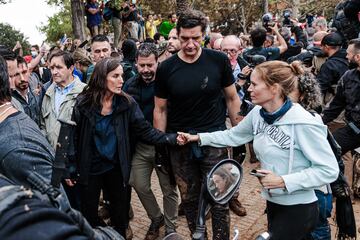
{"x": 230, "y": 51}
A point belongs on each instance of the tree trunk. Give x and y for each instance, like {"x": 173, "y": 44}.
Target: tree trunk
{"x": 295, "y": 8}
{"x": 181, "y": 6}
{"x": 78, "y": 19}
{"x": 266, "y": 6}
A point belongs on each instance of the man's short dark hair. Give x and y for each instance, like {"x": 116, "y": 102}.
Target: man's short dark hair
{"x": 5, "y": 94}
{"x": 258, "y": 36}
{"x": 146, "y": 49}
{"x": 7, "y": 54}
{"x": 21, "y": 60}
{"x": 356, "y": 43}
{"x": 192, "y": 18}
{"x": 67, "y": 57}
{"x": 100, "y": 38}
{"x": 36, "y": 47}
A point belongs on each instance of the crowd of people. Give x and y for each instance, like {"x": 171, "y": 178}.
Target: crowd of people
{"x": 173, "y": 97}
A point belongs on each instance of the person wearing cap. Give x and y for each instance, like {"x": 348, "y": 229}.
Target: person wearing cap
{"x": 334, "y": 67}
{"x": 347, "y": 98}
{"x": 82, "y": 63}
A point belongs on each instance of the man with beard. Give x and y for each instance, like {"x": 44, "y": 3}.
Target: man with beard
{"x": 172, "y": 47}
{"x": 11, "y": 63}
{"x": 141, "y": 87}
{"x": 347, "y": 98}
{"x": 29, "y": 101}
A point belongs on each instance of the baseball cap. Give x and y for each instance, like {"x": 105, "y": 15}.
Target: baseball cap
{"x": 332, "y": 39}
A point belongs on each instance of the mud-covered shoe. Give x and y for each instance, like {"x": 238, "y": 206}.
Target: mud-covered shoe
{"x": 153, "y": 232}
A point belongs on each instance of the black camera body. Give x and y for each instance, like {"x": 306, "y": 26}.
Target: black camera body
{"x": 267, "y": 20}
{"x": 287, "y": 21}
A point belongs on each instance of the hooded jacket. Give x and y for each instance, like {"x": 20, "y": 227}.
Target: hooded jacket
{"x": 313, "y": 165}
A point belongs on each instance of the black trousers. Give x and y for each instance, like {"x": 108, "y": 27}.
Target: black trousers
{"x": 294, "y": 222}
{"x": 347, "y": 139}
{"x": 118, "y": 193}
{"x": 189, "y": 175}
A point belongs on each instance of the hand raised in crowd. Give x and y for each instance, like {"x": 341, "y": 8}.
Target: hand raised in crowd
{"x": 17, "y": 46}
{"x": 43, "y": 50}
{"x": 271, "y": 180}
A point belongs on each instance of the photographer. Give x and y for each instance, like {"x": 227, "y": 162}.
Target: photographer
{"x": 291, "y": 27}
{"x": 258, "y": 37}
{"x": 334, "y": 67}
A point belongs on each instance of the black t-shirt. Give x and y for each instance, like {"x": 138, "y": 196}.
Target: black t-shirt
{"x": 194, "y": 91}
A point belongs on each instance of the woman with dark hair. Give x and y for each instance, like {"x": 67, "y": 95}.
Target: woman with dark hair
{"x": 223, "y": 179}
{"x": 307, "y": 94}
{"x": 291, "y": 146}
{"x": 5, "y": 94}
{"x": 107, "y": 120}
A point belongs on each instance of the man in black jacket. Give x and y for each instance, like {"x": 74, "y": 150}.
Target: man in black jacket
{"x": 348, "y": 98}
{"x": 334, "y": 67}
{"x": 141, "y": 88}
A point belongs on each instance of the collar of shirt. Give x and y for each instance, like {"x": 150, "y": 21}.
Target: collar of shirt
{"x": 66, "y": 89}
{"x": 236, "y": 71}
{"x": 60, "y": 94}
{"x": 26, "y": 97}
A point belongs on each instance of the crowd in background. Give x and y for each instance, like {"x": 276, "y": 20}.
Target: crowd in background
{"x": 106, "y": 88}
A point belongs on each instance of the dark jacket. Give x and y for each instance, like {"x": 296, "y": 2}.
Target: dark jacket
{"x": 295, "y": 49}
{"x": 143, "y": 93}
{"x": 307, "y": 56}
{"x": 23, "y": 149}
{"x": 31, "y": 107}
{"x": 129, "y": 123}
{"x": 332, "y": 70}
{"x": 47, "y": 221}
{"x": 347, "y": 97}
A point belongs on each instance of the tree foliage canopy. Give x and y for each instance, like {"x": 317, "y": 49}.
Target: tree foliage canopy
{"x": 60, "y": 23}
{"x": 9, "y": 36}
{"x": 230, "y": 16}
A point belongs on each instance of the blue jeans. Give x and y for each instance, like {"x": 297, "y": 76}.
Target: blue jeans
{"x": 322, "y": 230}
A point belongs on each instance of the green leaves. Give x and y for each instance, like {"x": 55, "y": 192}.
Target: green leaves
{"x": 9, "y": 36}
{"x": 60, "y": 23}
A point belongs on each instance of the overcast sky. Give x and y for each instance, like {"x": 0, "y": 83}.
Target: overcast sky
{"x": 26, "y": 16}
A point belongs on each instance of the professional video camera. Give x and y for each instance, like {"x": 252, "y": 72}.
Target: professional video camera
{"x": 287, "y": 18}
{"x": 346, "y": 19}
{"x": 267, "y": 20}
